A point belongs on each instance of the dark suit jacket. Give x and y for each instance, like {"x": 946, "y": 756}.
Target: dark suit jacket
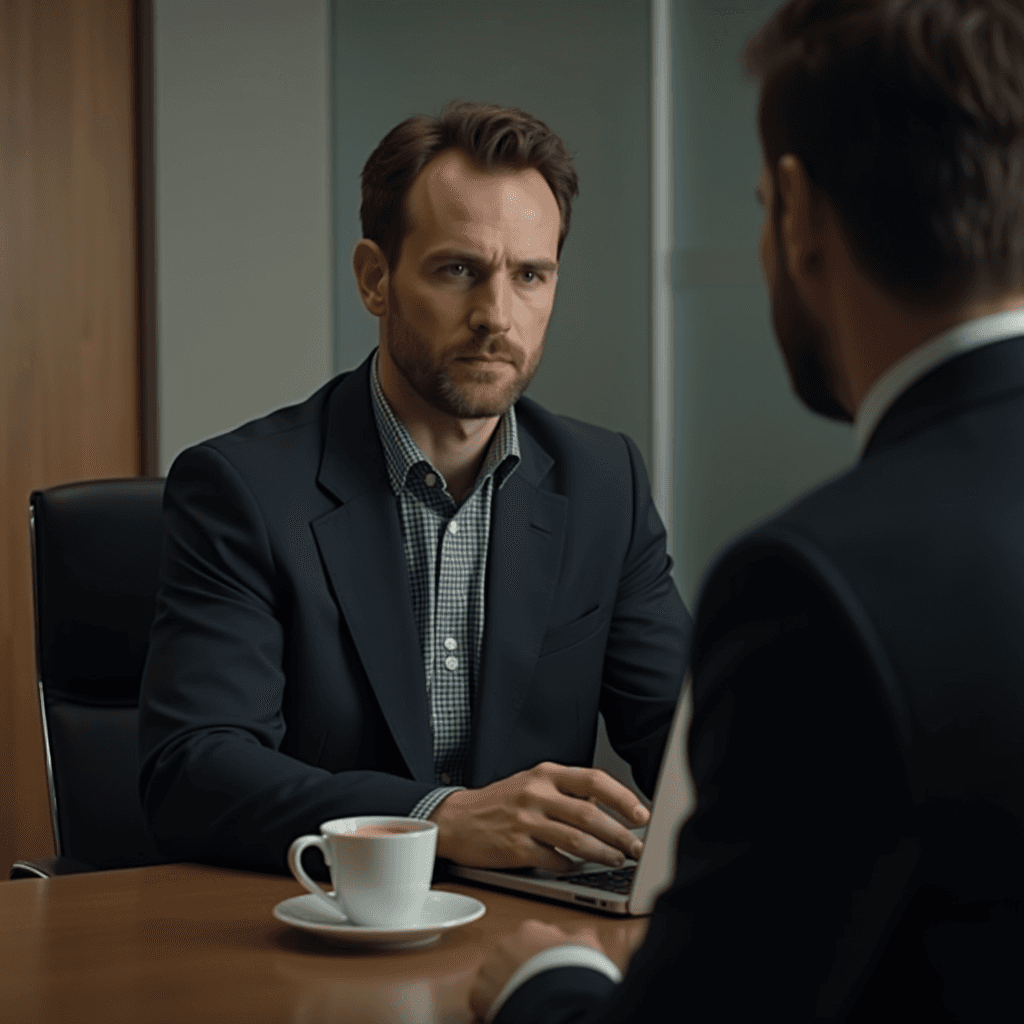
{"x": 285, "y": 684}
{"x": 857, "y": 744}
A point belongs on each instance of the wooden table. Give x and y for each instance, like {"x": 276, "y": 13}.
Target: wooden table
{"x": 186, "y": 944}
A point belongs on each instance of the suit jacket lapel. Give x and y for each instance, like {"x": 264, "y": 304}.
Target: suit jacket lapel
{"x": 527, "y": 532}
{"x": 360, "y": 543}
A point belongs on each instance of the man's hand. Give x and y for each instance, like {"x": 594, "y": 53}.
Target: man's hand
{"x": 512, "y": 952}
{"x": 518, "y": 821}
{"x": 508, "y": 955}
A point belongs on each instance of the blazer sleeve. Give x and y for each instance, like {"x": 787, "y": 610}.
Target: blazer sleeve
{"x": 648, "y": 641}
{"x": 777, "y": 911}
{"x": 214, "y": 784}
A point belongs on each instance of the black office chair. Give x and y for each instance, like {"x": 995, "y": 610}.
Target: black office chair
{"x": 96, "y": 550}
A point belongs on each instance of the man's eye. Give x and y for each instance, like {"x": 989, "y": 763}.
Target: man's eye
{"x": 453, "y": 268}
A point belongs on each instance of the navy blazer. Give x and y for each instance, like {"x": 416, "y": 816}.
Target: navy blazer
{"x": 857, "y": 744}
{"x": 285, "y": 685}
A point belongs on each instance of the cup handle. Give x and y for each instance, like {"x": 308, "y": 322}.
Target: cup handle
{"x": 295, "y": 863}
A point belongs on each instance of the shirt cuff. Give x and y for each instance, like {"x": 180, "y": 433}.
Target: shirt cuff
{"x": 548, "y": 959}
{"x": 426, "y": 807}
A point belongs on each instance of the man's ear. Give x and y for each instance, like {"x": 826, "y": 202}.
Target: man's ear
{"x": 802, "y": 230}
{"x": 371, "y": 269}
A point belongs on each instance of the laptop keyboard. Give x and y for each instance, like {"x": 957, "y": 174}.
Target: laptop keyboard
{"x": 619, "y": 881}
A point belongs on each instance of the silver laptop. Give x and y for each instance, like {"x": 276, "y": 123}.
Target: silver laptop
{"x": 633, "y": 888}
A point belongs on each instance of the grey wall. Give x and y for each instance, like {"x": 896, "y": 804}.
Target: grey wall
{"x": 583, "y": 69}
{"x": 243, "y": 211}
{"x": 744, "y": 445}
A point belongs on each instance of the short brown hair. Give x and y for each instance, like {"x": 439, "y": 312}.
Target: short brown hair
{"x": 908, "y": 115}
{"x": 494, "y": 137}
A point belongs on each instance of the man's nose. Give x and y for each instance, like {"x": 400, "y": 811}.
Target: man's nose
{"x": 492, "y": 308}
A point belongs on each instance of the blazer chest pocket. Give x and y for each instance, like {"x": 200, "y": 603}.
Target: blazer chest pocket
{"x": 563, "y": 637}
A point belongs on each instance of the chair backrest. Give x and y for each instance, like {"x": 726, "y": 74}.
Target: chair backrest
{"x": 96, "y": 550}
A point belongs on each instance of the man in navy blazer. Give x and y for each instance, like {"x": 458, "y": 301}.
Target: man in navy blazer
{"x": 412, "y": 593}
{"x": 857, "y": 740}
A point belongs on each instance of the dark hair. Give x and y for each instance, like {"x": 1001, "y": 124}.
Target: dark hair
{"x": 494, "y": 137}
{"x": 908, "y": 115}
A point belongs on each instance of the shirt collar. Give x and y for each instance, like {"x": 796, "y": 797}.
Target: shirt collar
{"x": 919, "y": 361}
{"x": 402, "y": 454}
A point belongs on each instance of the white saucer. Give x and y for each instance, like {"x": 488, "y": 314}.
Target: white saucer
{"x": 442, "y": 912}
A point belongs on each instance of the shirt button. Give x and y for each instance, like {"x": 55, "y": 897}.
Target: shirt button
{"x": 453, "y": 527}
{"x": 445, "y": 778}
{"x": 451, "y": 663}
{"x": 430, "y": 479}
{"x": 451, "y": 643}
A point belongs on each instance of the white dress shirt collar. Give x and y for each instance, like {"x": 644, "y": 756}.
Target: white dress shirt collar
{"x": 915, "y": 364}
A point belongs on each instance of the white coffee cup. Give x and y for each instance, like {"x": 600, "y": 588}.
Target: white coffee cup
{"x": 380, "y": 865}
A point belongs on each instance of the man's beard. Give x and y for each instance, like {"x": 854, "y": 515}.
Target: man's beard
{"x": 804, "y": 346}
{"x": 435, "y": 383}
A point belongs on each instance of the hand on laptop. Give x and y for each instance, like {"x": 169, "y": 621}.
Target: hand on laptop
{"x": 518, "y": 821}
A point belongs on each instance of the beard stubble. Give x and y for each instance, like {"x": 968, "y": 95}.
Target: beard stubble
{"x": 433, "y": 380}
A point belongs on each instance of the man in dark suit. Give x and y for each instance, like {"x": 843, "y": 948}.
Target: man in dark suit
{"x": 857, "y": 741}
{"x": 413, "y": 593}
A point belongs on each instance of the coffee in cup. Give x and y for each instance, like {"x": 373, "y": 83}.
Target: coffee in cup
{"x": 376, "y": 830}
{"x": 380, "y": 866}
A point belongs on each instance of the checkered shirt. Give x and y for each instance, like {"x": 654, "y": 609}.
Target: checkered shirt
{"x": 446, "y": 551}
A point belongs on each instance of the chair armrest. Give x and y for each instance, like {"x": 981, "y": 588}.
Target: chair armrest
{"x": 48, "y": 867}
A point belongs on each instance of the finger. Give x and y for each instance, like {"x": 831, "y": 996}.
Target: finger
{"x": 533, "y": 934}
{"x": 588, "y": 783}
{"x": 586, "y": 936}
{"x": 587, "y": 817}
{"x": 593, "y": 836}
{"x": 541, "y": 855}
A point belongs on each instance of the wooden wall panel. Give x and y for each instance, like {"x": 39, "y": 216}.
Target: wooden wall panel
{"x": 69, "y": 300}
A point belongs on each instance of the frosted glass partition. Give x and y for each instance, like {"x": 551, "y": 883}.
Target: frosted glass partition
{"x": 744, "y": 445}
